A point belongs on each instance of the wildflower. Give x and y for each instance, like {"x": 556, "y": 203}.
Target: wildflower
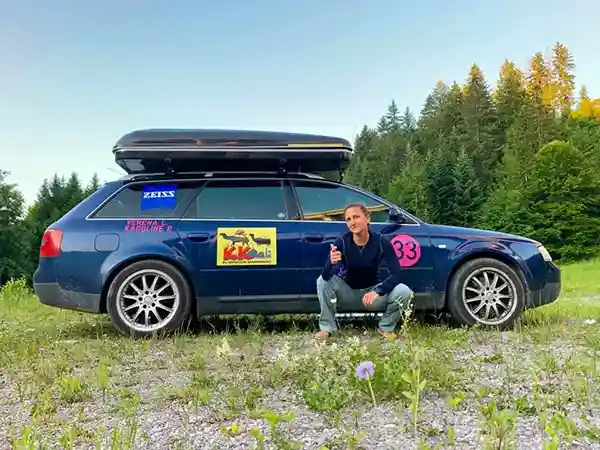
{"x": 365, "y": 370}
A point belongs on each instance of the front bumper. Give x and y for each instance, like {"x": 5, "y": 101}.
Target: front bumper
{"x": 52, "y": 294}
{"x": 551, "y": 290}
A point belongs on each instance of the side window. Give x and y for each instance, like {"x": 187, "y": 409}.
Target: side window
{"x": 240, "y": 200}
{"x": 152, "y": 200}
{"x": 326, "y": 201}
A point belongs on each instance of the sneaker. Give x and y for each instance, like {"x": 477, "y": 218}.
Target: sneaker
{"x": 387, "y": 334}
{"x": 321, "y": 334}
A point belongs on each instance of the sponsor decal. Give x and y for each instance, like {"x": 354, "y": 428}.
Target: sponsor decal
{"x": 159, "y": 197}
{"x": 246, "y": 246}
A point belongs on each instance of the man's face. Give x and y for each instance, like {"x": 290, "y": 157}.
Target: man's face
{"x": 356, "y": 220}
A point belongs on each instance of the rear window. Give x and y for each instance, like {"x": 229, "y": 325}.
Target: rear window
{"x": 150, "y": 200}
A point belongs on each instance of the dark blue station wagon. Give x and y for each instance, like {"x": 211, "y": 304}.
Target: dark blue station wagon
{"x": 240, "y": 222}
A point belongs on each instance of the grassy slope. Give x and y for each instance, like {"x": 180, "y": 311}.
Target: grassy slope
{"x": 54, "y": 363}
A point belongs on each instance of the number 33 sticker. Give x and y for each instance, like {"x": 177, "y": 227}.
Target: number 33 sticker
{"x": 407, "y": 249}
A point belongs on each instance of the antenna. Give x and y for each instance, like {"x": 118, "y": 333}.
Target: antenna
{"x": 115, "y": 171}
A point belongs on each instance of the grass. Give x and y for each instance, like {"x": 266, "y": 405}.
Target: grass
{"x": 68, "y": 379}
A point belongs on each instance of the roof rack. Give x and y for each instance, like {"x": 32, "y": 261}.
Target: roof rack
{"x": 190, "y": 175}
{"x": 172, "y": 151}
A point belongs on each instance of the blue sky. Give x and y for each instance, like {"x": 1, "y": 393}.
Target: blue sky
{"x": 79, "y": 74}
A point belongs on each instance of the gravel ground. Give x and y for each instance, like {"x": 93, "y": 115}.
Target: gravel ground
{"x": 385, "y": 426}
{"x": 165, "y": 423}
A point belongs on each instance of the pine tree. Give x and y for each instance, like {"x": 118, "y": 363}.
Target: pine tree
{"x": 481, "y": 138}
{"x": 73, "y": 191}
{"x": 390, "y": 121}
{"x": 539, "y": 82}
{"x": 509, "y": 96}
{"x": 408, "y": 123}
{"x": 469, "y": 196}
{"x": 408, "y": 188}
{"x": 563, "y": 79}
{"x": 442, "y": 183}
{"x": 358, "y": 170}
{"x": 441, "y": 116}
{"x": 433, "y": 105}
{"x": 93, "y": 185}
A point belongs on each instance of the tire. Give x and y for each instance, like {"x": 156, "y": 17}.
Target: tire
{"x": 123, "y": 302}
{"x": 463, "y": 285}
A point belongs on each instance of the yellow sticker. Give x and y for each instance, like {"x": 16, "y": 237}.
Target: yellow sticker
{"x": 246, "y": 246}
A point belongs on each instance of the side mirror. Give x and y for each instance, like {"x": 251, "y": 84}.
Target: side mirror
{"x": 395, "y": 216}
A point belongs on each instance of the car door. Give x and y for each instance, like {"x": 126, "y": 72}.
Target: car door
{"x": 242, "y": 243}
{"x": 321, "y": 204}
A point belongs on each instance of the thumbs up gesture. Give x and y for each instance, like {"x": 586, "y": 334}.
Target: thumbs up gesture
{"x": 335, "y": 255}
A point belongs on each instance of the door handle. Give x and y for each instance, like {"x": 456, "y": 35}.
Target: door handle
{"x": 198, "y": 237}
{"x": 314, "y": 237}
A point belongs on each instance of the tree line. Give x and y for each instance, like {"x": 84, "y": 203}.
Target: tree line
{"x": 522, "y": 157}
{"x": 21, "y": 228}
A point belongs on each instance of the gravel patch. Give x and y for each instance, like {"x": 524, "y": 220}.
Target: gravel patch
{"x": 385, "y": 427}
{"x": 496, "y": 367}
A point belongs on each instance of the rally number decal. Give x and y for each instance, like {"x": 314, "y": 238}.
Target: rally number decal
{"x": 407, "y": 249}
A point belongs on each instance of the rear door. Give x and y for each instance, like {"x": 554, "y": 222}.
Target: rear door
{"x": 322, "y": 203}
{"x": 242, "y": 243}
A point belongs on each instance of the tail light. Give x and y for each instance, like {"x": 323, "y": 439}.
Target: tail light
{"x": 50, "y": 246}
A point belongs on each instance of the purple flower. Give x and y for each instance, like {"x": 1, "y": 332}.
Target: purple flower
{"x": 365, "y": 370}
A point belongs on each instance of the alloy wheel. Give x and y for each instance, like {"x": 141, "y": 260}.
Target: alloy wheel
{"x": 489, "y": 296}
{"x": 147, "y": 300}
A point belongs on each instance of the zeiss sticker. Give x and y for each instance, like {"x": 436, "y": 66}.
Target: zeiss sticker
{"x": 162, "y": 196}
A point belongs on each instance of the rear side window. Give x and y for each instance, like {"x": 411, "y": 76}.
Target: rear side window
{"x": 149, "y": 200}
{"x": 240, "y": 200}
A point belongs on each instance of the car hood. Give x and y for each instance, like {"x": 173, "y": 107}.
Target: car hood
{"x": 474, "y": 233}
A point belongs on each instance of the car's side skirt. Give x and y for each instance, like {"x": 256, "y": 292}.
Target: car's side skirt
{"x": 296, "y": 304}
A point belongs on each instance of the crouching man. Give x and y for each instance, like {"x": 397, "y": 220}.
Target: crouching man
{"x": 351, "y": 275}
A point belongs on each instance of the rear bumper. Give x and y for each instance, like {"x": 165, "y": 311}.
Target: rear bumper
{"x": 551, "y": 290}
{"x": 52, "y": 294}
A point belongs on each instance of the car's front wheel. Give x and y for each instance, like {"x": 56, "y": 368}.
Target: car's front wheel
{"x": 486, "y": 291}
{"x": 149, "y": 297}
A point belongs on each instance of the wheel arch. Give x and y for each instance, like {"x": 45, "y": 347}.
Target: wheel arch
{"x": 123, "y": 264}
{"x": 486, "y": 254}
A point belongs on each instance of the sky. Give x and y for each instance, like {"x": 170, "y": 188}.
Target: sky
{"x": 79, "y": 74}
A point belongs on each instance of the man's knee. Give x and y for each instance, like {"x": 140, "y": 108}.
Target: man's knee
{"x": 321, "y": 283}
{"x": 401, "y": 293}
{"x": 325, "y": 287}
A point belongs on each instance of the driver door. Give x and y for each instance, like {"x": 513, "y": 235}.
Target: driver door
{"x": 321, "y": 204}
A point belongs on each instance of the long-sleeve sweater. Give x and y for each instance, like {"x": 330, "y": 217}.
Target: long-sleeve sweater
{"x": 359, "y": 266}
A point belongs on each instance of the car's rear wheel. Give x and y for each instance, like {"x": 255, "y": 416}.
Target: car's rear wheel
{"x": 149, "y": 297}
{"x": 487, "y": 292}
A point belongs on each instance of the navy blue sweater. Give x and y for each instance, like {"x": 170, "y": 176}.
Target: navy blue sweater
{"x": 361, "y": 270}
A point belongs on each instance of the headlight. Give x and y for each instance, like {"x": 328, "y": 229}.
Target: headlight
{"x": 545, "y": 254}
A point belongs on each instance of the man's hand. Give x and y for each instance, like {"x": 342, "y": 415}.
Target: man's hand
{"x": 369, "y": 298}
{"x": 335, "y": 255}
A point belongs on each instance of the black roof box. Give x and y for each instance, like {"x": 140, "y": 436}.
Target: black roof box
{"x": 205, "y": 150}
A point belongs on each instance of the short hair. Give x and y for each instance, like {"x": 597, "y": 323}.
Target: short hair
{"x": 361, "y": 206}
